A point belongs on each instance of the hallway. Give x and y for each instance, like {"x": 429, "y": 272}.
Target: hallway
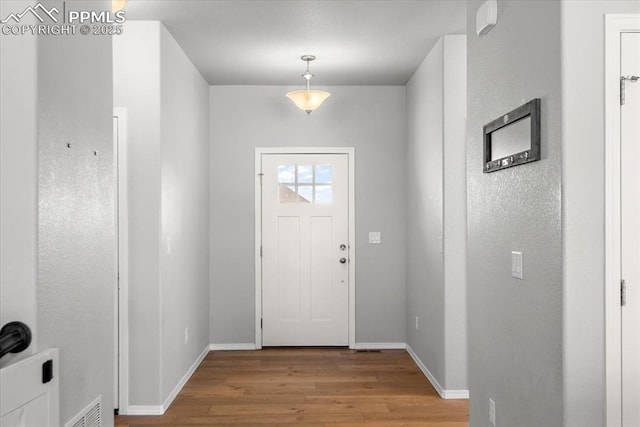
{"x": 320, "y": 387}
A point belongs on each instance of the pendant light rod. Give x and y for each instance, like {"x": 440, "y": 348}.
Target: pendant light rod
{"x": 308, "y": 75}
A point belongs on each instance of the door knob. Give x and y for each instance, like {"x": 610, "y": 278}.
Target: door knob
{"x": 343, "y": 247}
{"x": 343, "y": 260}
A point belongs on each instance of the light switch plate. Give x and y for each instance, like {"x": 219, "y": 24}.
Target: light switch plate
{"x": 374, "y": 237}
{"x": 516, "y": 265}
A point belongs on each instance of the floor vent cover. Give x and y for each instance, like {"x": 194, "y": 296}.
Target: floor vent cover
{"x": 91, "y": 416}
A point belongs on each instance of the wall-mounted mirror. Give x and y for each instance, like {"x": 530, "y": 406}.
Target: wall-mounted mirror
{"x": 513, "y": 139}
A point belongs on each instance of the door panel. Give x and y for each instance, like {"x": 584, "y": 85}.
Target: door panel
{"x": 289, "y": 286}
{"x": 630, "y": 230}
{"x": 305, "y": 287}
{"x": 322, "y": 261}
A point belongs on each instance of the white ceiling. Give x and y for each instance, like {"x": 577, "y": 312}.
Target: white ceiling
{"x": 246, "y": 42}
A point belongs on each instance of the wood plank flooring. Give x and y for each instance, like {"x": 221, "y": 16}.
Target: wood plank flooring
{"x": 312, "y": 387}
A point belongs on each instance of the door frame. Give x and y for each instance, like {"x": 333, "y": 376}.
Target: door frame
{"x": 350, "y": 152}
{"x": 121, "y": 306}
{"x": 615, "y": 24}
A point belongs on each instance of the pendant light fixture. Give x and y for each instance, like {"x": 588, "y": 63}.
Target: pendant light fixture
{"x": 307, "y": 99}
{"x": 117, "y": 5}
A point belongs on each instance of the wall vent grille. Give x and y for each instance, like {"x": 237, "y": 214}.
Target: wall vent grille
{"x": 91, "y": 416}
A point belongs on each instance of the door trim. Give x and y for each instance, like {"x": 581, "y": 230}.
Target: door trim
{"x": 350, "y": 152}
{"x": 122, "y": 266}
{"x": 615, "y": 24}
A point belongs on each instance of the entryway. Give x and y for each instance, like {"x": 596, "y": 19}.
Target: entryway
{"x": 305, "y": 257}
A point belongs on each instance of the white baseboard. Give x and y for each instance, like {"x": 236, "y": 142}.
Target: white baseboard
{"x": 445, "y": 394}
{"x": 184, "y": 380}
{"x": 380, "y": 346}
{"x": 456, "y": 394}
{"x": 143, "y": 410}
{"x": 230, "y": 347}
{"x": 161, "y": 409}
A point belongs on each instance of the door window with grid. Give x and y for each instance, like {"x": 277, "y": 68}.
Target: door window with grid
{"x": 305, "y": 184}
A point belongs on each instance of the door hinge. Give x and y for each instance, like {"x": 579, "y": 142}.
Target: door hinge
{"x": 261, "y": 323}
{"x": 623, "y": 82}
{"x": 623, "y": 293}
{"x": 260, "y": 175}
{"x": 260, "y": 250}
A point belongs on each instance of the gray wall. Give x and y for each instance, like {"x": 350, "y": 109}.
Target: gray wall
{"x": 436, "y": 209}
{"x": 18, "y": 179}
{"x": 372, "y": 119}
{"x": 76, "y": 256}
{"x": 583, "y": 204}
{"x": 136, "y": 74}
{"x": 167, "y": 103}
{"x": 455, "y": 210}
{"x": 515, "y": 327}
{"x": 425, "y": 269}
{"x": 184, "y": 274}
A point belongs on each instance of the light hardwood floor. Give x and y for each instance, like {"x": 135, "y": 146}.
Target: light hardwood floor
{"x": 319, "y": 387}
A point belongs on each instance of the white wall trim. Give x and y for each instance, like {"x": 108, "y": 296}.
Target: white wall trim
{"x": 350, "y": 152}
{"x": 614, "y": 25}
{"x": 352, "y": 245}
{"x": 144, "y": 410}
{"x": 258, "y": 244}
{"x": 121, "y": 307}
{"x": 445, "y": 394}
{"x": 161, "y": 409}
{"x": 456, "y": 394}
{"x": 380, "y": 346}
{"x": 232, "y": 347}
{"x": 184, "y": 380}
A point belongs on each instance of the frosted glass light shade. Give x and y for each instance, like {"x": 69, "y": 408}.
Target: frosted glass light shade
{"x": 117, "y": 5}
{"x": 308, "y": 100}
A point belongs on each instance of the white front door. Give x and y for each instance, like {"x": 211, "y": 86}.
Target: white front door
{"x": 630, "y": 229}
{"x": 305, "y": 249}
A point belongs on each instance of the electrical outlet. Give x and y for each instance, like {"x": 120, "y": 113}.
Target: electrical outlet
{"x": 416, "y": 323}
{"x": 186, "y": 335}
{"x": 492, "y": 412}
